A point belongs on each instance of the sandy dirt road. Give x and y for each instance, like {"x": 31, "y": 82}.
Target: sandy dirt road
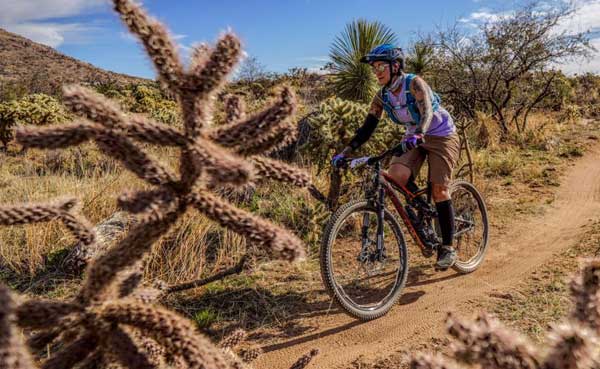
{"x": 420, "y": 314}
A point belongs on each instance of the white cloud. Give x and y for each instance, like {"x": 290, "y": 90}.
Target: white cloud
{"x": 483, "y": 16}
{"x": 17, "y": 11}
{"x": 582, "y": 66}
{"x": 37, "y": 19}
{"x": 51, "y": 34}
{"x": 586, "y": 17}
{"x": 315, "y": 59}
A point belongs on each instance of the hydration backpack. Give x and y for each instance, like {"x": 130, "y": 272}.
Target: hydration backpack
{"x": 411, "y": 103}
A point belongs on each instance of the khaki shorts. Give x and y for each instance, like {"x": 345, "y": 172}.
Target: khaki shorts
{"x": 442, "y": 154}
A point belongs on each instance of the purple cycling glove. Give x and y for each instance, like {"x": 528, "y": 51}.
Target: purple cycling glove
{"x": 338, "y": 160}
{"x": 408, "y": 143}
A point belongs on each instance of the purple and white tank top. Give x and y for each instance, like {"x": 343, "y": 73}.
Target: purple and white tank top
{"x": 442, "y": 123}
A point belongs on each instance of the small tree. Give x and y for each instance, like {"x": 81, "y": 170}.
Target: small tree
{"x": 352, "y": 79}
{"x": 506, "y": 68}
{"x": 251, "y": 70}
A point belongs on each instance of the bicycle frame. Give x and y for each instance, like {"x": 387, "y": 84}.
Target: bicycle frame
{"x": 385, "y": 186}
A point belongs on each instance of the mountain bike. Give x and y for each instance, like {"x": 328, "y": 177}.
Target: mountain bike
{"x": 363, "y": 255}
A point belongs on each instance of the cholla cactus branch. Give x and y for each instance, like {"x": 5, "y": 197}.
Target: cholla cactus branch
{"x": 235, "y": 108}
{"x": 125, "y": 254}
{"x": 273, "y": 238}
{"x": 200, "y": 54}
{"x": 236, "y": 133}
{"x": 73, "y": 353}
{"x": 304, "y": 360}
{"x": 280, "y": 171}
{"x": 572, "y": 347}
{"x": 134, "y": 159}
{"x": 95, "y": 360}
{"x": 155, "y": 39}
{"x": 223, "y": 166}
{"x": 251, "y": 354}
{"x": 38, "y": 314}
{"x": 129, "y": 284}
{"x": 111, "y": 316}
{"x": 93, "y": 106}
{"x": 219, "y": 64}
{"x": 57, "y": 137}
{"x": 425, "y": 361}
{"x": 488, "y": 343}
{"x": 13, "y": 354}
{"x": 269, "y": 142}
{"x": 585, "y": 291}
{"x": 143, "y": 201}
{"x": 145, "y": 130}
{"x": 126, "y": 351}
{"x": 79, "y": 227}
{"x": 168, "y": 329}
{"x": 36, "y": 213}
{"x": 234, "y": 339}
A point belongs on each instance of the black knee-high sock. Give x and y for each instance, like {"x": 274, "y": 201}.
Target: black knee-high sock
{"x": 446, "y": 216}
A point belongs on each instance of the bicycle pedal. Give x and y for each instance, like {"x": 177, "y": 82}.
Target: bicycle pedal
{"x": 439, "y": 269}
{"x": 427, "y": 253}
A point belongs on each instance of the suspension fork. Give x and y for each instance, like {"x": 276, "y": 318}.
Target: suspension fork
{"x": 380, "y": 205}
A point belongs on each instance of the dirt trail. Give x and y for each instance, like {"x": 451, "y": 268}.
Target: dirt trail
{"x": 421, "y": 312}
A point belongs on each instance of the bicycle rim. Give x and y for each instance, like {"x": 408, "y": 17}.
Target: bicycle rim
{"x": 364, "y": 284}
{"x": 471, "y": 226}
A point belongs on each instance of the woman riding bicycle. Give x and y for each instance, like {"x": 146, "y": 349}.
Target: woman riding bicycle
{"x": 408, "y": 100}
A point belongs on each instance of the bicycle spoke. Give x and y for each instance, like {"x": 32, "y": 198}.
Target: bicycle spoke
{"x": 375, "y": 279}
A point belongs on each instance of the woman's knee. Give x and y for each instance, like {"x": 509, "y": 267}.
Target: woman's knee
{"x": 399, "y": 173}
{"x": 440, "y": 192}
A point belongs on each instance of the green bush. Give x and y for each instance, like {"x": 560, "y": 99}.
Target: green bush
{"x": 144, "y": 98}
{"x": 36, "y": 109}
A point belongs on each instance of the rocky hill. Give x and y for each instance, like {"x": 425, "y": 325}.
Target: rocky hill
{"x": 40, "y": 68}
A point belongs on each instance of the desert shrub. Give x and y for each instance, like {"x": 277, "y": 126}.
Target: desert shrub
{"x": 586, "y": 94}
{"x": 498, "y": 163}
{"x": 36, "y": 109}
{"x": 570, "y": 113}
{"x": 147, "y": 99}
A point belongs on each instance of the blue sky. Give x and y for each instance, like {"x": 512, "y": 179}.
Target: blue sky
{"x": 280, "y": 34}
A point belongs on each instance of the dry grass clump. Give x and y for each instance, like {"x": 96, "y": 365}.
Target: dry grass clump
{"x": 110, "y": 319}
{"x": 487, "y": 343}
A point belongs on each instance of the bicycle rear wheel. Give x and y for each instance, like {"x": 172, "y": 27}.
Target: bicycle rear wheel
{"x": 471, "y": 226}
{"x": 365, "y": 286}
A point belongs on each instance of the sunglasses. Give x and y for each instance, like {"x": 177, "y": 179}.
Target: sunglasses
{"x": 380, "y": 68}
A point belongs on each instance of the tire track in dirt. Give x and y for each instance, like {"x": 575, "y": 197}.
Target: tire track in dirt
{"x": 420, "y": 314}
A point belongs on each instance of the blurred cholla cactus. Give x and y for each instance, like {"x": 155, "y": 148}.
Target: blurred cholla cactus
{"x": 36, "y": 109}
{"x": 111, "y": 319}
{"x": 486, "y": 343}
{"x": 334, "y": 125}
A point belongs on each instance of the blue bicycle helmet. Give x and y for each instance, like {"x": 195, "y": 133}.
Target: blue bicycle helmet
{"x": 385, "y": 52}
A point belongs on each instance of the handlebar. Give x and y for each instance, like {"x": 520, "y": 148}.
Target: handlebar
{"x": 371, "y": 160}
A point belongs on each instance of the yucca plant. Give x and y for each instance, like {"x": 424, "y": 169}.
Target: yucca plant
{"x": 420, "y": 57}
{"x": 352, "y": 79}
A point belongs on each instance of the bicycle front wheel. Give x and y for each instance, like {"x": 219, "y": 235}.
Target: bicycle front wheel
{"x": 364, "y": 281}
